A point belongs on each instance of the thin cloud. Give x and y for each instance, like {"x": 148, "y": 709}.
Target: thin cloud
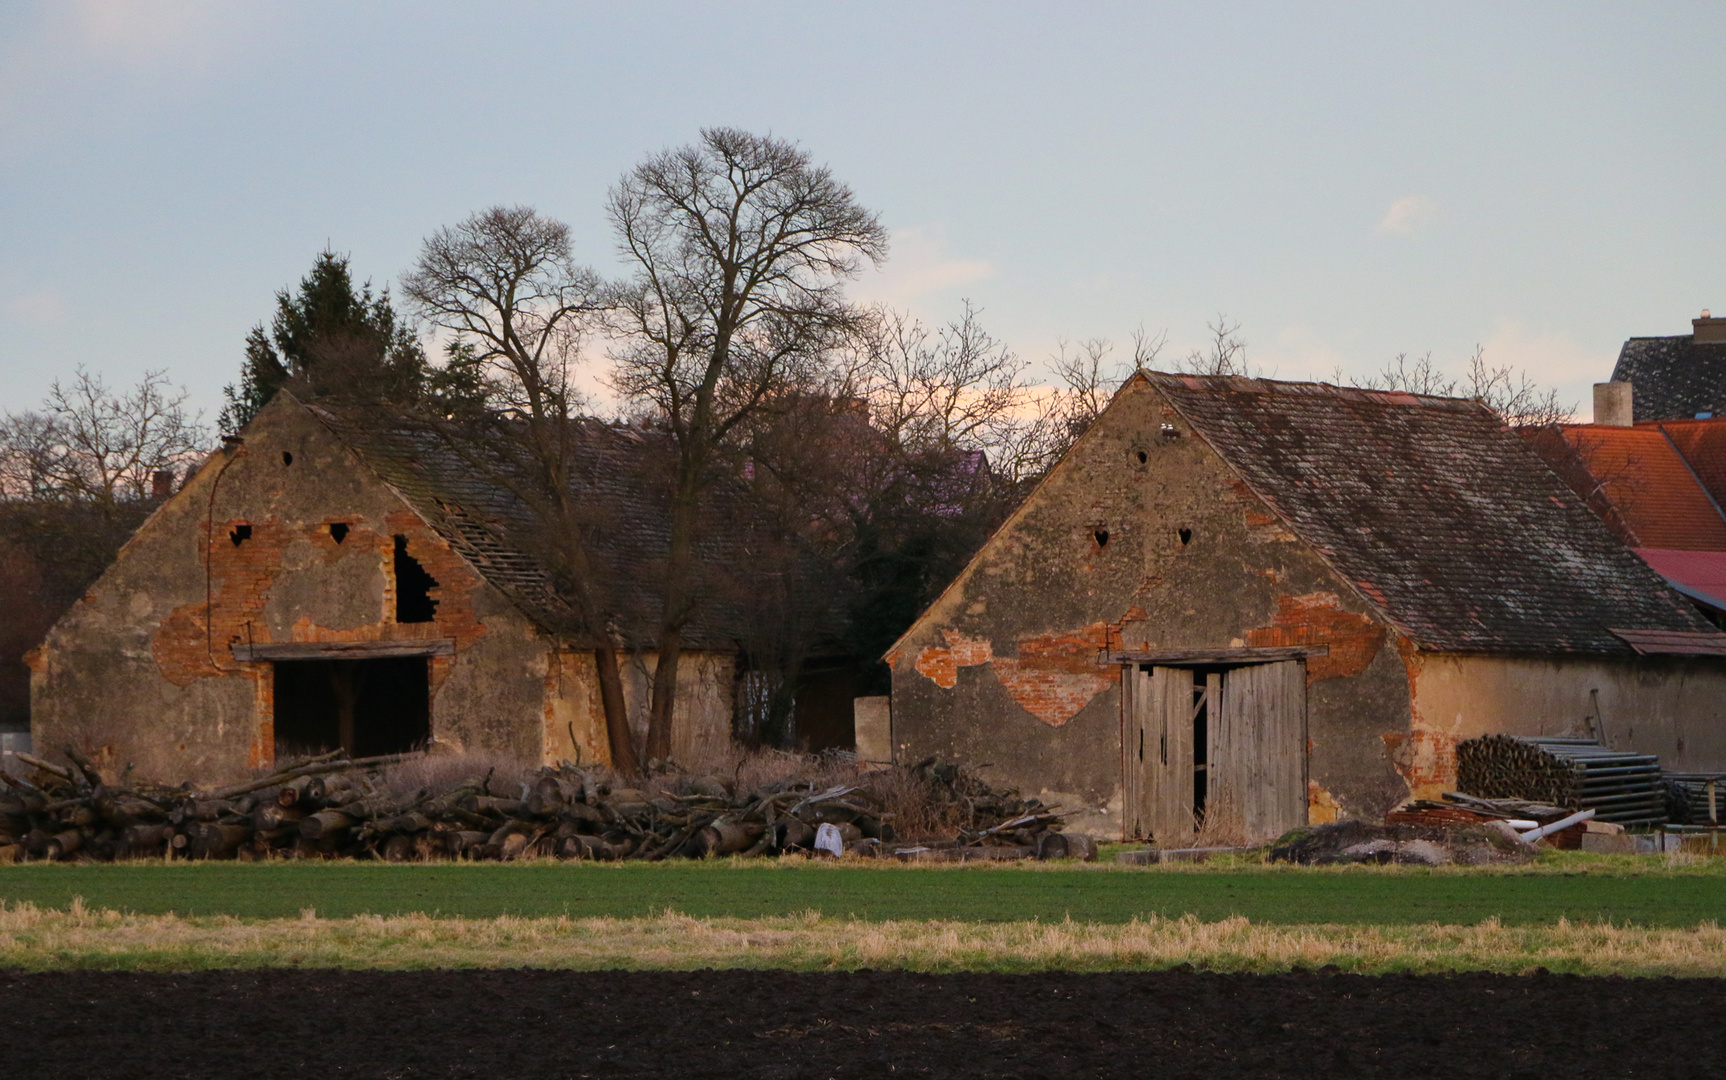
{"x": 144, "y": 28}
{"x": 1298, "y": 352}
{"x": 921, "y": 266}
{"x": 44, "y": 307}
{"x": 1551, "y": 359}
{"x": 1409, "y": 214}
{"x": 80, "y": 43}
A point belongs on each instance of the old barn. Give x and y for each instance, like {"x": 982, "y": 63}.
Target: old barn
{"x": 339, "y": 577}
{"x": 1255, "y": 604}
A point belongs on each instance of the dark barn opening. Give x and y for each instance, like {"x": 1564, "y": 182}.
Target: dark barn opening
{"x": 365, "y": 707}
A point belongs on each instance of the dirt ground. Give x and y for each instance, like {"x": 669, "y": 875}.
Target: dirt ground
{"x": 769, "y": 1025}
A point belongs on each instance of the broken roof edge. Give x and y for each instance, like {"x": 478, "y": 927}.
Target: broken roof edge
{"x": 1673, "y": 642}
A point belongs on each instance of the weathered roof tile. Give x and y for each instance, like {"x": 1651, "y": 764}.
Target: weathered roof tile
{"x": 1446, "y": 520}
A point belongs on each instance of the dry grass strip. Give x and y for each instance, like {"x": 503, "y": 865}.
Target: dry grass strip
{"x": 36, "y": 939}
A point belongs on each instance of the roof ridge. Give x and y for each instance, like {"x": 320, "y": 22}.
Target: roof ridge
{"x": 1309, "y": 388}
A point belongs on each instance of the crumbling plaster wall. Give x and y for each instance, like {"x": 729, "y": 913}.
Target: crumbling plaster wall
{"x": 1004, "y": 669}
{"x": 140, "y": 670}
{"x": 1671, "y": 706}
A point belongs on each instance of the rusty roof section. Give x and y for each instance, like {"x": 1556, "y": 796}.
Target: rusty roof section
{"x": 1637, "y": 481}
{"x": 623, "y": 497}
{"x": 1438, "y": 514}
{"x": 1674, "y": 642}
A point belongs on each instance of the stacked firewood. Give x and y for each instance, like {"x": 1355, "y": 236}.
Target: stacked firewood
{"x": 332, "y": 807}
{"x": 1574, "y": 773}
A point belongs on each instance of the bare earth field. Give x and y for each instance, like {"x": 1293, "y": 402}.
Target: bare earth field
{"x": 776, "y": 1024}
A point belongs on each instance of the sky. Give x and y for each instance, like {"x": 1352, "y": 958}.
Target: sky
{"x": 1347, "y": 182}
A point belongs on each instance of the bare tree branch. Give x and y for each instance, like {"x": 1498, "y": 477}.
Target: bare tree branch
{"x": 90, "y": 445}
{"x": 739, "y": 248}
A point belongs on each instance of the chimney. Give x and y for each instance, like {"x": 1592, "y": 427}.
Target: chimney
{"x": 1612, "y": 403}
{"x": 1708, "y": 330}
{"x": 161, "y": 484}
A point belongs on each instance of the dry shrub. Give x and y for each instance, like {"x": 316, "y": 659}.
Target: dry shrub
{"x": 504, "y": 773}
{"x": 914, "y": 803}
{"x": 919, "y": 806}
{"x": 35, "y": 939}
{"x": 1222, "y": 826}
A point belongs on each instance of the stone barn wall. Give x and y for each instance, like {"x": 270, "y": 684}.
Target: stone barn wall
{"x": 1141, "y": 538}
{"x": 141, "y": 671}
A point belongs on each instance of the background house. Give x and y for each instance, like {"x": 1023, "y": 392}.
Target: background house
{"x": 1262, "y": 603}
{"x": 1658, "y": 484}
{"x": 341, "y": 577}
{"x": 1680, "y": 377}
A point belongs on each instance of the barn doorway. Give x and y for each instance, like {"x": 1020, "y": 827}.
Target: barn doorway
{"x": 364, "y": 707}
{"x": 1217, "y": 745}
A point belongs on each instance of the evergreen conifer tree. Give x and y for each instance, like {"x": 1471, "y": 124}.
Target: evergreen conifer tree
{"x": 327, "y": 340}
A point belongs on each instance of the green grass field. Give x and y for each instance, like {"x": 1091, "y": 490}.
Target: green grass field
{"x": 1622, "y": 890}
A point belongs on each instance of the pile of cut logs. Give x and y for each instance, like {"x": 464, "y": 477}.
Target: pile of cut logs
{"x": 333, "y": 807}
{"x": 1573, "y": 773}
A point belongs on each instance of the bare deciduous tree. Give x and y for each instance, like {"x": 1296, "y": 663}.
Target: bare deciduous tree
{"x": 1226, "y": 353}
{"x": 1089, "y": 380}
{"x": 90, "y": 445}
{"x": 739, "y": 248}
{"x": 77, "y": 476}
{"x": 1504, "y": 389}
{"x": 505, "y": 282}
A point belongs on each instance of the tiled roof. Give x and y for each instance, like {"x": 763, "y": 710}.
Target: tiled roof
{"x": 1673, "y": 377}
{"x": 1703, "y": 444}
{"x": 624, "y": 502}
{"x": 1440, "y": 515}
{"x": 1701, "y": 575}
{"x": 1651, "y": 496}
{"x": 1674, "y": 642}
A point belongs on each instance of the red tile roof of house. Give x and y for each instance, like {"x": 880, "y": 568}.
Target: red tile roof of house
{"x": 1637, "y": 480}
{"x": 1699, "y": 574}
{"x": 1703, "y": 444}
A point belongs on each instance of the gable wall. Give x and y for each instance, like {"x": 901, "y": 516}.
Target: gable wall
{"x": 1003, "y": 668}
{"x": 135, "y": 673}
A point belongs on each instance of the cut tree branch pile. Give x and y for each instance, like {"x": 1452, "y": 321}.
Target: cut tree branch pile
{"x": 334, "y": 807}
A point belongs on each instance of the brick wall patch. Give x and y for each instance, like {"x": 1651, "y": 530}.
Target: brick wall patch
{"x": 1319, "y": 619}
{"x": 941, "y": 663}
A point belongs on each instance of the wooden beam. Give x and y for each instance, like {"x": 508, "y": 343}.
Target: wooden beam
{"x": 1220, "y": 656}
{"x": 342, "y": 650}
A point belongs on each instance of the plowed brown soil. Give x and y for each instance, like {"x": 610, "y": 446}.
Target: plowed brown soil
{"x": 530, "y": 1024}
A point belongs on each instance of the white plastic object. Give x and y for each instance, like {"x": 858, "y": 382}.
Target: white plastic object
{"x": 827, "y": 839}
{"x": 1547, "y": 830}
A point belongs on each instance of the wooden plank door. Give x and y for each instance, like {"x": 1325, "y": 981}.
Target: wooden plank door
{"x": 1258, "y": 757}
{"x": 1169, "y": 756}
{"x": 1136, "y": 721}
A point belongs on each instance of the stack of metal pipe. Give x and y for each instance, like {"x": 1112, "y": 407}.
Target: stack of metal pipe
{"x": 1696, "y": 798}
{"x": 1572, "y": 772}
